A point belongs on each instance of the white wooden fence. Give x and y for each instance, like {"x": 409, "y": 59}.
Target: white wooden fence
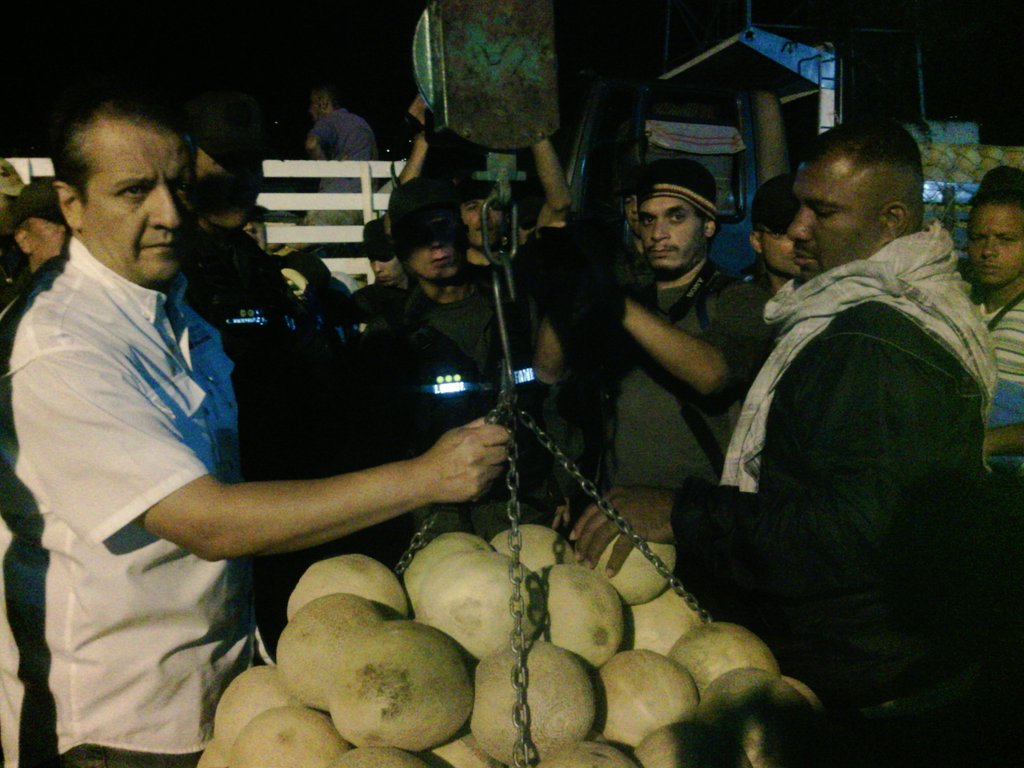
{"x": 369, "y": 202}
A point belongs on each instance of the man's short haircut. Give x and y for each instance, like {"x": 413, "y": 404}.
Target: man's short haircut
{"x": 1002, "y": 185}
{"x": 774, "y": 205}
{"x": 81, "y": 107}
{"x": 878, "y": 143}
{"x": 999, "y": 196}
{"x": 330, "y": 90}
{"x": 870, "y": 142}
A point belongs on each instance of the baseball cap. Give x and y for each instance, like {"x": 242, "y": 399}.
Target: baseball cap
{"x": 419, "y": 194}
{"x": 37, "y": 200}
{"x": 774, "y": 204}
{"x": 228, "y": 126}
{"x": 376, "y": 244}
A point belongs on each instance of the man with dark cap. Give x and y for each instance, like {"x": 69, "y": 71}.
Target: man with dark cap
{"x": 447, "y": 320}
{"x": 39, "y": 234}
{"x": 441, "y": 351}
{"x": 696, "y": 343}
{"x": 697, "y": 347}
{"x": 391, "y": 283}
{"x": 773, "y": 209}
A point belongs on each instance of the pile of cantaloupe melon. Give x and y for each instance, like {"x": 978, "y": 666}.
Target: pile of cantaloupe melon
{"x": 622, "y": 673}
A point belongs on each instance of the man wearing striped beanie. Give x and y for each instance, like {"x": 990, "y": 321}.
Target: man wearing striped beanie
{"x": 699, "y": 338}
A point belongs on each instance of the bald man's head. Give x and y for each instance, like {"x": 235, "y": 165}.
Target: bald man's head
{"x": 888, "y": 152}
{"x": 859, "y": 189}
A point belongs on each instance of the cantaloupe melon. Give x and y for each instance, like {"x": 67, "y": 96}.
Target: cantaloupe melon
{"x": 806, "y": 692}
{"x": 377, "y": 757}
{"x": 317, "y": 637}
{"x": 466, "y": 595}
{"x": 436, "y": 550}
{"x": 643, "y": 691}
{"x": 588, "y": 754}
{"x": 560, "y": 696}
{"x": 738, "y": 685}
{"x": 460, "y": 753}
{"x": 216, "y": 755}
{"x": 584, "y": 612}
{"x": 689, "y": 744}
{"x": 402, "y": 685}
{"x": 638, "y": 581}
{"x": 352, "y": 574}
{"x": 251, "y": 693}
{"x": 711, "y": 650}
{"x": 656, "y": 625}
{"x": 286, "y": 737}
{"x": 541, "y": 547}
{"x": 769, "y": 718}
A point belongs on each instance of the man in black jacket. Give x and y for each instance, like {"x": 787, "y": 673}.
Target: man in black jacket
{"x": 875, "y": 392}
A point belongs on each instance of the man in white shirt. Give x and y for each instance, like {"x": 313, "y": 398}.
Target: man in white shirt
{"x": 125, "y": 579}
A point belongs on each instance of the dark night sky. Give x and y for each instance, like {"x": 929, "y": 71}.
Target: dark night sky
{"x": 972, "y": 62}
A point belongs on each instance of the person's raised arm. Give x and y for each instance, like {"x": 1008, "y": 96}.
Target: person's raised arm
{"x": 552, "y": 180}
{"x": 688, "y": 358}
{"x": 548, "y": 357}
{"x": 216, "y": 520}
{"x": 418, "y": 152}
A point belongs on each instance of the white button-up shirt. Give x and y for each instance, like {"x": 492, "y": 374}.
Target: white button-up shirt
{"x": 115, "y": 396}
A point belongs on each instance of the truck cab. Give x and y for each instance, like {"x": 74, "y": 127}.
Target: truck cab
{"x": 736, "y": 129}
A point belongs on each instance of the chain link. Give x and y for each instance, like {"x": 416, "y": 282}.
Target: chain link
{"x": 521, "y": 754}
{"x": 612, "y": 514}
{"x": 418, "y": 542}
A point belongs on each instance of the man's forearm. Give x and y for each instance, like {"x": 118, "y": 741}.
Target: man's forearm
{"x": 217, "y": 520}
{"x": 417, "y": 157}
{"x": 552, "y": 180}
{"x": 548, "y": 356}
{"x": 687, "y": 358}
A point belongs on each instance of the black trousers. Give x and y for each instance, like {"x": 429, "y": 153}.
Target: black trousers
{"x": 91, "y": 756}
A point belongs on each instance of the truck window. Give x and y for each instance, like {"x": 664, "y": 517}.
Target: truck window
{"x": 613, "y": 147}
{"x": 707, "y": 130}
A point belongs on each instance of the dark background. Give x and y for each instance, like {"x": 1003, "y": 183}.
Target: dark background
{"x": 971, "y": 51}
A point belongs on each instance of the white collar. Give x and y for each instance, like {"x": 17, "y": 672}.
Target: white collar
{"x": 147, "y": 300}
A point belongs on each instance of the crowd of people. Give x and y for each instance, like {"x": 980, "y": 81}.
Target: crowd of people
{"x": 187, "y": 421}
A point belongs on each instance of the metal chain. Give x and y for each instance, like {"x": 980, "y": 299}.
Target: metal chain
{"x": 521, "y": 753}
{"x": 418, "y": 542}
{"x": 612, "y": 514}
{"x": 505, "y": 413}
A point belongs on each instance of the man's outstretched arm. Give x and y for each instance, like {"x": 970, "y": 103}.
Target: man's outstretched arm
{"x": 217, "y": 520}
